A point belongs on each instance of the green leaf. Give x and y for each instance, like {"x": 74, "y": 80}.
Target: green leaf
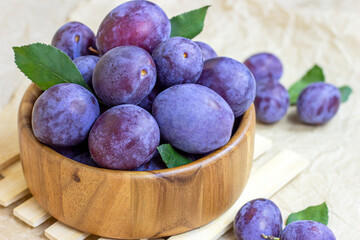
{"x": 345, "y": 93}
{"x": 317, "y": 213}
{"x": 170, "y": 157}
{"x": 189, "y": 24}
{"x": 47, "y": 66}
{"x": 315, "y": 74}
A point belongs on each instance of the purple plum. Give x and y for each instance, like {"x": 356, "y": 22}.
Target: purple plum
{"x": 207, "y": 51}
{"x": 124, "y": 137}
{"x": 231, "y": 80}
{"x": 257, "y": 217}
{"x": 265, "y": 67}
{"x": 86, "y": 65}
{"x": 64, "y": 114}
{"x": 124, "y": 74}
{"x": 271, "y": 101}
{"x": 75, "y": 39}
{"x": 193, "y": 118}
{"x": 178, "y": 60}
{"x": 139, "y": 23}
{"x": 306, "y": 230}
{"x": 318, "y": 103}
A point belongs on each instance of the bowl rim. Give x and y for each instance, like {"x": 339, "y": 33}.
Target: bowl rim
{"x": 237, "y": 137}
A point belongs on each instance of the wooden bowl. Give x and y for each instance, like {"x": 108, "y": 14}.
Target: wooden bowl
{"x": 129, "y": 204}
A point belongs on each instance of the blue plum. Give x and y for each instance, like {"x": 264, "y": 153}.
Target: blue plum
{"x": 207, "y": 51}
{"x": 257, "y": 217}
{"x": 318, "y": 103}
{"x": 124, "y": 137}
{"x": 265, "y": 67}
{"x": 64, "y": 114}
{"x": 231, "y": 80}
{"x": 72, "y": 151}
{"x": 193, "y": 118}
{"x": 124, "y": 74}
{"x": 178, "y": 60}
{"x": 75, "y": 39}
{"x": 86, "y": 66}
{"x": 306, "y": 230}
{"x": 271, "y": 101}
{"x": 139, "y": 23}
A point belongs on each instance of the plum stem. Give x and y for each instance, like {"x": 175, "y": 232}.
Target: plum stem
{"x": 269, "y": 237}
{"x": 94, "y": 50}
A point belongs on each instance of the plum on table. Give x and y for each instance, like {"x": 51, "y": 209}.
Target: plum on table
{"x": 306, "y": 230}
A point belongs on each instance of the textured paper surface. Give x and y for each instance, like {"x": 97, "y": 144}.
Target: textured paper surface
{"x": 300, "y": 32}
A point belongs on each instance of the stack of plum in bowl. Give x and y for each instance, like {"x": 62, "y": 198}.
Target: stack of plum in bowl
{"x": 143, "y": 89}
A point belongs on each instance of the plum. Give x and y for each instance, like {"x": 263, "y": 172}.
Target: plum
{"x": 139, "y": 23}
{"x": 207, "y": 51}
{"x": 124, "y": 74}
{"x": 265, "y": 67}
{"x": 178, "y": 60}
{"x": 64, "y": 114}
{"x": 147, "y": 101}
{"x": 86, "y": 65}
{"x": 306, "y": 230}
{"x": 271, "y": 101}
{"x": 75, "y": 39}
{"x": 193, "y": 118}
{"x": 231, "y": 80}
{"x": 257, "y": 217}
{"x": 318, "y": 103}
{"x": 124, "y": 137}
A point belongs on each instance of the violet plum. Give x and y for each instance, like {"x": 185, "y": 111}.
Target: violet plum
{"x": 64, "y": 114}
{"x": 124, "y": 74}
{"x": 75, "y": 39}
{"x": 124, "y": 137}
{"x": 207, "y": 51}
{"x": 271, "y": 101}
{"x": 139, "y": 23}
{"x": 265, "y": 67}
{"x": 178, "y": 60}
{"x": 256, "y": 217}
{"x": 231, "y": 80}
{"x": 306, "y": 230}
{"x": 193, "y": 118}
{"x": 318, "y": 103}
{"x": 156, "y": 163}
{"x": 86, "y": 65}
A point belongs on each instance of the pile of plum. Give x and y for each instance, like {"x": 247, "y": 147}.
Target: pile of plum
{"x": 149, "y": 88}
{"x": 316, "y": 105}
{"x": 261, "y": 219}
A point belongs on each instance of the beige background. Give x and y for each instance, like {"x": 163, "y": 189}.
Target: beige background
{"x": 300, "y": 32}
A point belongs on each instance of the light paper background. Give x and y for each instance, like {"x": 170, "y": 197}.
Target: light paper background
{"x": 300, "y": 32}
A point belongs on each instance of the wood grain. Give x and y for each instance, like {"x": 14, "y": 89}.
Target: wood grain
{"x": 31, "y": 213}
{"x": 269, "y": 178}
{"x": 59, "y": 231}
{"x": 127, "y": 204}
{"x": 13, "y": 185}
{"x": 9, "y": 144}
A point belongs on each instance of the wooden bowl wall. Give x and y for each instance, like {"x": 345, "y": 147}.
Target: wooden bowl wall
{"x": 129, "y": 204}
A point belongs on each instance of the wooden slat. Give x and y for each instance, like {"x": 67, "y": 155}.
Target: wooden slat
{"x": 265, "y": 182}
{"x": 9, "y": 146}
{"x": 13, "y": 186}
{"x": 261, "y": 145}
{"x": 59, "y": 231}
{"x": 31, "y": 213}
